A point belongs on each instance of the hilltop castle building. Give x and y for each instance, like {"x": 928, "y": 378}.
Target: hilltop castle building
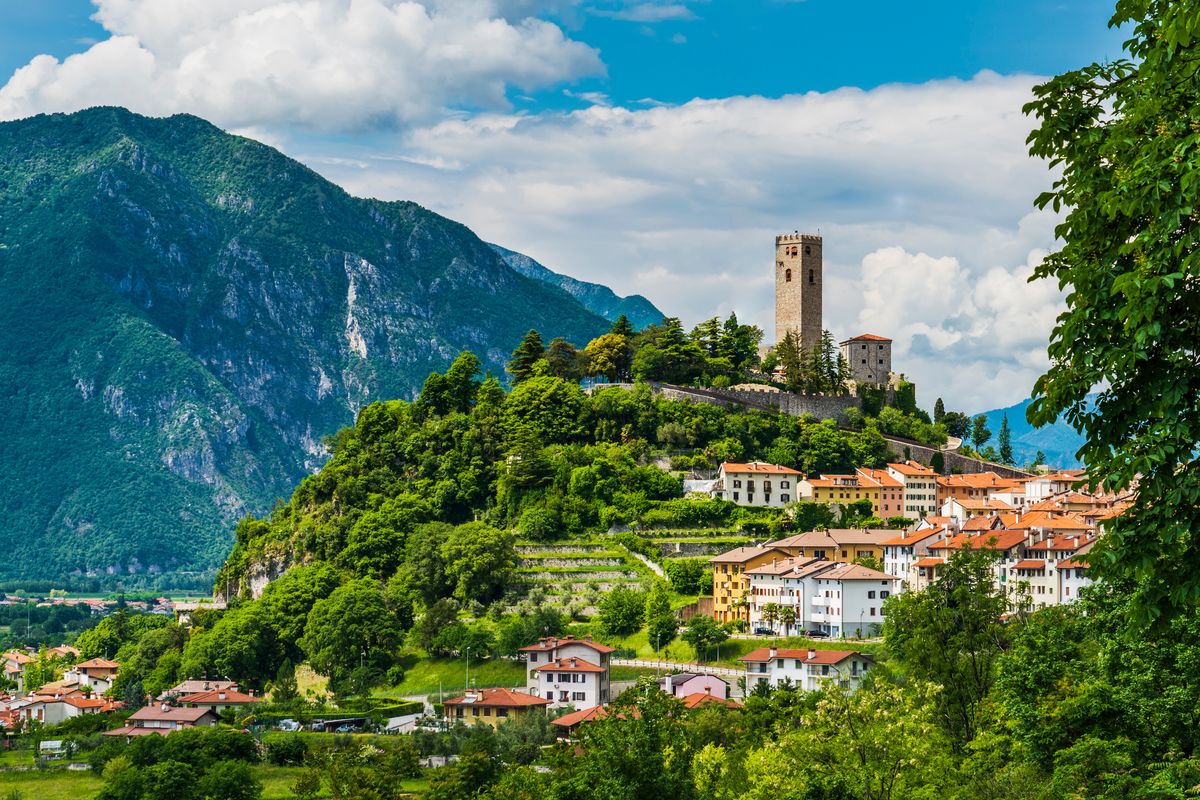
{"x": 798, "y": 282}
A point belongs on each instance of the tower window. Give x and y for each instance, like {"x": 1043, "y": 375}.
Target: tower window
{"x": 810, "y": 277}
{"x": 787, "y": 276}
{"x": 807, "y": 250}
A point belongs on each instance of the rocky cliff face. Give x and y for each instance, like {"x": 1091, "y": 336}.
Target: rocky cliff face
{"x": 188, "y": 313}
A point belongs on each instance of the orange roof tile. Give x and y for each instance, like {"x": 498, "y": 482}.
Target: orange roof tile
{"x": 913, "y": 468}
{"x": 763, "y": 654}
{"x": 498, "y": 698}
{"x": 912, "y": 537}
{"x": 740, "y": 555}
{"x": 570, "y": 665}
{"x": 553, "y": 643}
{"x": 866, "y": 337}
{"x": 697, "y": 699}
{"x": 929, "y": 562}
{"x": 1030, "y": 563}
{"x": 758, "y": 467}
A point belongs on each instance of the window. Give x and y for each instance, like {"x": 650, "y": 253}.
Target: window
{"x": 871, "y": 595}
{"x": 784, "y": 485}
{"x": 487, "y": 712}
{"x": 872, "y": 611}
{"x": 810, "y": 277}
{"x": 787, "y": 276}
{"x": 533, "y": 658}
{"x": 578, "y": 696}
{"x": 737, "y": 484}
{"x": 807, "y": 250}
{"x": 501, "y": 712}
{"x": 784, "y": 498}
{"x": 884, "y": 595}
{"x": 824, "y": 669}
{"x": 735, "y": 497}
{"x": 798, "y": 663}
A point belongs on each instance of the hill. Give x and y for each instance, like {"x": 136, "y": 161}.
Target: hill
{"x": 1059, "y": 442}
{"x": 594, "y": 297}
{"x": 187, "y": 314}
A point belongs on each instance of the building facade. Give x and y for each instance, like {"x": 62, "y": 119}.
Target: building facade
{"x": 809, "y": 670}
{"x": 920, "y": 488}
{"x": 757, "y": 484}
{"x": 490, "y": 706}
{"x": 869, "y": 358}
{"x": 798, "y": 288}
{"x": 731, "y": 586}
{"x": 568, "y": 671}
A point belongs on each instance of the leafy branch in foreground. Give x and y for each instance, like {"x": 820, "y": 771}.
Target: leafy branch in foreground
{"x": 1126, "y": 137}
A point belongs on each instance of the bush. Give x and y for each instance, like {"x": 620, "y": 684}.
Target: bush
{"x": 230, "y": 780}
{"x": 286, "y": 750}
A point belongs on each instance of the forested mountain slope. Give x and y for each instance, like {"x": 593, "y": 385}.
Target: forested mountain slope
{"x": 188, "y": 313}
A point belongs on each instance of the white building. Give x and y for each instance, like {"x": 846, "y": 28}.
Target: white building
{"x": 569, "y": 671}
{"x": 848, "y": 600}
{"x": 685, "y": 684}
{"x": 786, "y": 584}
{"x": 756, "y": 484}
{"x": 809, "y": 669}
{"x": 901, "y": 553}
{"x": 920, "y": 487}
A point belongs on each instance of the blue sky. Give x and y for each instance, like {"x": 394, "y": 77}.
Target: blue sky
{"x": 655, "y": 146}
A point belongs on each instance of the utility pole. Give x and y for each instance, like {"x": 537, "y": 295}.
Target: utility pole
{"x": 467, "y": 679}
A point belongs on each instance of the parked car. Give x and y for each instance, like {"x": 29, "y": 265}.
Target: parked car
{"x": 345, "y": 729}
{"x": 289, "y": 725}
{"x": 818, "y": 634}
{"x": 764, "y": 632}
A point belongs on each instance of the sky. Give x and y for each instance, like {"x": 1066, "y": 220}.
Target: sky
{"x": 656, "y": 146}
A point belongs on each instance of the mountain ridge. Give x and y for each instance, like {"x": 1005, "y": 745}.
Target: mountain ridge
{"x": 190, "y": 313}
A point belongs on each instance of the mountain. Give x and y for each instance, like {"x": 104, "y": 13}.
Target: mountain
{"x": 598, "y": 299}
{"x": 187, "y": 313}
{"x": 1059, "y": 442}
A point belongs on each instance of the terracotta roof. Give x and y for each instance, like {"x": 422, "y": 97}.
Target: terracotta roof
{"x": 170, "y": 713}
{"x": 553, "y": 643}
{"x": 855, "y": 481}
{"x": 914, "y": 536}
{"x": 576, "y": 717}
{"x": 219, "y": 697}
{"x": 98, "y": 663}
{"x": 570, "y": 665}
{"x": 1075, "y": 562}
{"x": 697, "y": 699}
{"x": 497, "y": 698}
{"x": 800, "y": 565}
{"x": 929, "y": 562}
{"x": 855, "y": 572}
{"x": 978, "y": 480}
{"x": 758, "y": 467}
{"x": 1030, "y": 563}
{"x": 763, "y": 655}
{"x": 85, "y": 702}
{"x": 881, "y": 477}
{"x": 913, "y": 468}
{"x": 991, "y": 540}
{"x": 934, "y": 519}
{"x": 1065, "y": 522}
{"x": 979, "y": 523}
{"x": 740, "y": 555}
{"x": 867, "y": 337}
{"x": 835, "y": 537}
{"x": 977, "y": 504}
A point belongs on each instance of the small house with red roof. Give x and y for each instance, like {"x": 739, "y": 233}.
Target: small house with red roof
{"x": 809, "y": 669}
{"x": 756, "y": 484}
{"x": 869, "y": 357}
{"x": 96, "y": 674}
{"x": 568, "y": 671}
{"x": 163, "y": 719}
{"x": 218, "y": 699}
{"x": 490, "y": 706}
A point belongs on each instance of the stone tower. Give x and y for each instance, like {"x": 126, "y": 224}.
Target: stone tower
{"x": 798, "y": 287}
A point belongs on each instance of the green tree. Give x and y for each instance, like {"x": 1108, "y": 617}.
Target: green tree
{"x": 609, "y": 356}
{"x": 939, "y": 410}
{"x": 1005, "y": 440}
{"x": 979, "y": 431}
{"x": 563, "y": 360}
{"x": 229, "y": 780}
{"x": 957, "y": 424}
{"x": 1123, "y": 135}
{"x": 951, "y": 634}
{"x": 622, "y": 611}
{"x": 660, "y": 620}
{"x": 548, "y": 408}
{"x": 528, "y": 353}
{"x": 480, "y": 561}
{"x": 704, "y": 634}
{"x": 351, "y": 628}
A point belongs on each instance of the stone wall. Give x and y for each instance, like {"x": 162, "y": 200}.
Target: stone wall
{"x": 955, "y": 462}
{"x": 795, "y": 405}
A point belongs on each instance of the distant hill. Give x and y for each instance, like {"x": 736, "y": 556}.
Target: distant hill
{"x": 594, "y": 297}
{"x": 1059, "y": 441}
{"x": 187, "y": 314}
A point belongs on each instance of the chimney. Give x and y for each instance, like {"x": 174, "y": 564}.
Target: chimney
{"x": 220, "y": 695}
{"x": 772, "y": 652}
{"x": 811, "y": 654}
{"x": 708, "y": 689}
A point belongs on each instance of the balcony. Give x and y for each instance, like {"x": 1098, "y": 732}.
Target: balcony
{"x": 822, "y": 602}
{"x": 823, "y": 617}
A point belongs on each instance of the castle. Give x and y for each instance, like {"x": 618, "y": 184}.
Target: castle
{"x": 798, "y": 308}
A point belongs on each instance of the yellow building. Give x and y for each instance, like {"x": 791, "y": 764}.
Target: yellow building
{"x": 490, "y": 706}
{"x": 842, "y": 489}
{"x": 840, "y": 545}
{"x": 730, "y": 584}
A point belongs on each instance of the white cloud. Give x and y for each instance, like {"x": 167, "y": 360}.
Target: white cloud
{"x": 646, "y": 12}
{"x": 322, "y": 64}
{"x": 681, "y": 203}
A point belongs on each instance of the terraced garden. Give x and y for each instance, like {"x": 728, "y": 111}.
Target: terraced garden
{"x": 573, "y": 575}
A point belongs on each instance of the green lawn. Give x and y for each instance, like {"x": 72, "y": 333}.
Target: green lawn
{"x": 16, "y": 758}
{"x": 733, "y": 649}
{"x": 59, "y": 784}
{"x": 424, "y": 676}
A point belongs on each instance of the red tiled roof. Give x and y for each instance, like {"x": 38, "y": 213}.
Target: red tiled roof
{"x": 866, "y": 337}
{"x": 929, "y": 562}
{"x": 170, "y": 713}
{"x": 1075, "y": 562}
{"x": 498, "y": 698}
{"x": 912, "y": 537}
{"x": 763, "y": 654}
{"x": 1030, "y": 563}
{"x": 98, "y": 663}
{"x": 219, "y": 697}
{"x": 576, "y": 717}
{"x": 740, "y": 555}
{"x": 552, "y": 643}
{"x": 912, "y": 468}
{"x": 570, "y": 665}
{"x": 697, "y": 699}
{"x": 758, "y": 467}
{"x": 856, "y": 572}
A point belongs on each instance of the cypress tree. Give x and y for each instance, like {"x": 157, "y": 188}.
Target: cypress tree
{"x": 528, "y": 353}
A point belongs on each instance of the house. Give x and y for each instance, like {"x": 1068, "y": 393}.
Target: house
{"x": 847, "y": 600}
{"x": 924, "y": 572}
{"x": 1073, "y": 576}
{"x": 1044, "y": 486}
{"x": 63, "y": 651}
{"x": 842, "y": 489}
{"x": 162, "y": 719}
{"x": 779, "y": 591}
{"x": 192, "y": 687}
{"x": 51, "y": 710}
{"x": 490, "y": 706}
{"x": 567, "y": 724}
{"x": 920, "y": 487}
{"x": 731, "y": 586}
{"x": 756, "y": 484}
{"x": 698, "y": 699}
{"x": 891, "y": 492}
{"x": 568, "y": 671}
{"x": 980, "y": 486}
{"x": 96, "y": 674}
{"x": 808, "y": 670}
{"x": 683, "y": 684}
{"x": 842, "y": 545}
{"x": 901, "y": 553}
{"x": 218, "y": 699}
{"x": 963, "y": 510}
{"x": 14, "y": 662}
{"x": 869, "y": 358}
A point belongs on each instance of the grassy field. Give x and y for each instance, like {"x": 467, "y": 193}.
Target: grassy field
{"x": 733, "y": 649}
{"x": 424, "y": 677}
{"x": 16, "y": 758}
{"x": 62, "y": 785}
